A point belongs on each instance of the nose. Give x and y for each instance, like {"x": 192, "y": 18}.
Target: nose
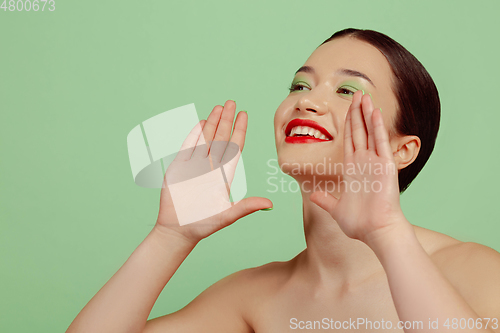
{"x": 311, "y": 101}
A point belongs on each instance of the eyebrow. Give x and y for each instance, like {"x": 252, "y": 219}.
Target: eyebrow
{"x": 341, "y": 71}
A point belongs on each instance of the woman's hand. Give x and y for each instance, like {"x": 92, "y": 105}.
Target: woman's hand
{"x": 194, "y": 200}
{"x": 419, "y": 289}
{"x": 369, "y": 202}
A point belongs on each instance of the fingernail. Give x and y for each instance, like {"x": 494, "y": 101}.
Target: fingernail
{"x": 363, "y": 91}
{"x": 370, "y": 95}
{"x": 266, "y": 209}
{"x": 244, "y": 111}
{"x": 380, "y": 110}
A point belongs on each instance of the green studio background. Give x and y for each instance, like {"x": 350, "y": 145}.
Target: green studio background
{"x": 75, "y": 81}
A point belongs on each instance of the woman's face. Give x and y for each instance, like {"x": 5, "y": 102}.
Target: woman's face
{"x": 322, "y": 92}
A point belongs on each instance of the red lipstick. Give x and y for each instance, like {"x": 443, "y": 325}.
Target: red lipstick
{"x": 305, "y": 139}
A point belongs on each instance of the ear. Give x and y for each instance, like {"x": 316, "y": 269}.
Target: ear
{"x": 405, "y": 150}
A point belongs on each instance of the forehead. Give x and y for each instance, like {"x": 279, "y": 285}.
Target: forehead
{"x": 352, "y": 54}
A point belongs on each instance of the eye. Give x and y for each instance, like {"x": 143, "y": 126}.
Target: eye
{"x": 297, "y": 86}
{"x": 346, "y": 90}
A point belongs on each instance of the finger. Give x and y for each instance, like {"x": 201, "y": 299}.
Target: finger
{"x": 367, "y": 107}
{"x": 325, "y": 200}
{"x": 245, "y": 207}
{"x": 358, "y": 129}
{"x": 348, "y": 146}
{"x": 189, "y": 143}
{"x": 381, "y": 135}
{"x": 209, "y": 129}
{"x": 239, "y": 133}
{"x": 223, "y": 132}
{"x": 226, "y": 122}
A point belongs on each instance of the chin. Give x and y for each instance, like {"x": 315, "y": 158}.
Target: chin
{"x": 307, "y": 164}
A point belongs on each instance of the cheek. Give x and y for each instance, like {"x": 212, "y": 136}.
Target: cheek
{"x": 276, "y": 120}
{"x": 280, "y": 117}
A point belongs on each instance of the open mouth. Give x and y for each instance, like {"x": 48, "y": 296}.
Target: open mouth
{"x": 306, "y": 131}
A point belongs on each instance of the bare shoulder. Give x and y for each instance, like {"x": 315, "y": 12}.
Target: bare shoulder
{"x": 248, "y": 285}
{"x": 262, "y": 280}
{"x": 228, "y": 305}
{"x": 473, "y": 269}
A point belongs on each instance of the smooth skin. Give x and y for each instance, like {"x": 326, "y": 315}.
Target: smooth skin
{"x": 363, "y": 258}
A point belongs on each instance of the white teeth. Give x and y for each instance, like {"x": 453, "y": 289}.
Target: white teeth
{"x": 306, "y": 130}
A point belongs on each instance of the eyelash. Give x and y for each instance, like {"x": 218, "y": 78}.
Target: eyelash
{"x": 294, "y": 87}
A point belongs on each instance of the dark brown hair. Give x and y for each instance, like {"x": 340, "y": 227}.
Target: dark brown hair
{"x": 419, "y": 109}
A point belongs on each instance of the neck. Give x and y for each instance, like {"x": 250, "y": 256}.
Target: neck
{"x": 331, "y": 258}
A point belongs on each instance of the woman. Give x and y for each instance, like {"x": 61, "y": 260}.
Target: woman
{"x": 365, "y": 265}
